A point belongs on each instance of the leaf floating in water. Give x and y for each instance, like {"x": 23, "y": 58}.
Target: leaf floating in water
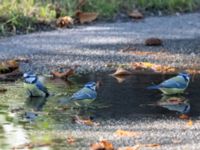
{"x": 86, "y": 17}
{"x": 124, "y": 133}
{"x": 184, "y": 116}
{"x": 65, "y": 74}
{"x": 102, "y": 145}
{"x": 121, "y": 72}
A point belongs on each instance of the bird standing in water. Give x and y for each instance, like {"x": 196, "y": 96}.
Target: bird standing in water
{"x": 34, "y": 87}
{"x": 84, "y": 96}
{"x": 174, "y": 85}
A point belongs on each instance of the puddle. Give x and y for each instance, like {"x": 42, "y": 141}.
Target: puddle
{"x": 40, "y": 119}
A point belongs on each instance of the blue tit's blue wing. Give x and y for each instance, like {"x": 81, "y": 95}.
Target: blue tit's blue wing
{"x": 41, "y": 87}
{"x": 175, "y": 82}
{"x": 84, "y": 93}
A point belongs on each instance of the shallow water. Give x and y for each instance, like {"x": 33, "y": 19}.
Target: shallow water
{"x": 41, "y": 120}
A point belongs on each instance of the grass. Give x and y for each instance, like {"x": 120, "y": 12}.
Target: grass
{"x": 24, "y": 15}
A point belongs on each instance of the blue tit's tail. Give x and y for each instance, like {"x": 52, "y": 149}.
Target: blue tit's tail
{"x": 153, "y": 87}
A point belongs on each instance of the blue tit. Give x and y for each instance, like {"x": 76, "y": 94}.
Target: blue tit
{"x": 34, "y": 86}
{"x": 174, "y": 85}
{"x": 84, "y": 96}
{"x": 179, "y": 104}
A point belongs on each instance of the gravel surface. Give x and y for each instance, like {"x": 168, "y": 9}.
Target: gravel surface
{"x": 97, "y": 45}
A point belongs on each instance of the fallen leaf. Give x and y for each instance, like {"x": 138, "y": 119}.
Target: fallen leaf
{"x": 136, "y": 147}
{"x": 102, "y": 145}
{"x": 64, "y": 22}
{"x": 71, "y": 140}
{"x": 190, "y": 123}
{"x": 135, "y": 14}
{"x": 153, "y": 42}
{"x": 86, "y": 17}
{"x": 65, "y": 74}
{"x": 146, "y": 66}
{"x": 121, "y": 72}
{"x": 124, "y": 133}
{"x": 152, "y": 145}
{"x": 184, "y": 116}
{"x": 87, "y": 122}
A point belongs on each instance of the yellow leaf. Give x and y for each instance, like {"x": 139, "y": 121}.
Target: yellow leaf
{"x": 189, "y": 123}
{"x": 64, "y": 22}
{"x": 152, "y": 145}
{"x": 121, "y": 72}
{"x": 124, "y": 133}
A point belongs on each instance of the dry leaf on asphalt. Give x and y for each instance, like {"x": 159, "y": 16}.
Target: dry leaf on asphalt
{"x": 86, "y": 17}
{"x": 64, "y": 22}
{"x": 121, "y": 72}
{"x": 146, "y": 66}
{"x": 135, "y": 14}
{"x": 190, "y": 123}
{"x": 102, "y": 145}
{"x": 65, "y": 74}
{"x": 153, "y": 42}
{"x": 124, "y": 133}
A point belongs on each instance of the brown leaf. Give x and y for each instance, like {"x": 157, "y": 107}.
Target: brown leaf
{"x": 86, "y": 17}
{"x": 8, "y": 66}
{"x": 153, "y": 42}
{"x": 87, "y": 122}
{"x": 71, "y": 140}
{"x": 136, "y": 14}
{"x": 184, "y": 116}
{"x": 102, "y": 145}
{"x": 64, "y": 22}
{"x": 65, "y": 74}
{"x": 124, "y": 133}
{"x": 146, "y": 66}
{"x": 136, "y": 147}
{"x": 121, "y": 72}
{"x": 152, "y": 145}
